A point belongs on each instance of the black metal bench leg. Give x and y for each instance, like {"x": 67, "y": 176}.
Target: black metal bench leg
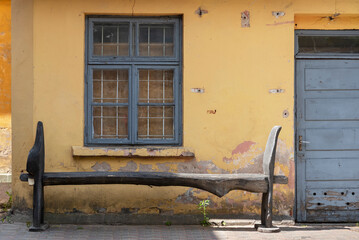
{"x": 38, "y": 208}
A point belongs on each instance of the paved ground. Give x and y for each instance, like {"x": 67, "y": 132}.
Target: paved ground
{"x": 98, "y": 232}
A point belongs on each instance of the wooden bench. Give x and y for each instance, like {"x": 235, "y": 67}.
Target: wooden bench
{"x": 217, "y": 184}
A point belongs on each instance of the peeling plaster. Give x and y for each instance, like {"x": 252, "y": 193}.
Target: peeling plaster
{"x": 240, "y": 149}
{"x": 187, "y": 197}
{"x": 101, "y": 167}
{"x": 131, "y": 166}
{"x": 199, "y": 167}
{"x": 5, "y": 150}
{"x": 245, "y": 19}
{"x": 243, "y": 147}
{"x": 146, "y": 168}
{"x": 163, "y": 167}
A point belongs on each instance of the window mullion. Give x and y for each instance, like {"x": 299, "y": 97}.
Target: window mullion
{"x": 130, "y": 40}
{"x": 137, "y": 39}
{"x": 133, "y": 104}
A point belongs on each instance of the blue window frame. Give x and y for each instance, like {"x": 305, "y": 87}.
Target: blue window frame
{"x": 133, "y": 92}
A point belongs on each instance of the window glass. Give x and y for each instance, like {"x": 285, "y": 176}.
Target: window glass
{"x": 110, "y": 86}
{"x": 156, "y": 40}
{"x": 328, "y": 44}
{"x": 155, "y": 122}
{"x": 110, "y": 122}
{"x": 111, "y": 40}
{"x": 155, "y": 86}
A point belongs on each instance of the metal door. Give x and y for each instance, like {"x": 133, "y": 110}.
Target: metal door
{"x": 327, "y": 140}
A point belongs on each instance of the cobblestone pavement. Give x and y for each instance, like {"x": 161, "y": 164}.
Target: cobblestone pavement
{"x": 322, "y": 232}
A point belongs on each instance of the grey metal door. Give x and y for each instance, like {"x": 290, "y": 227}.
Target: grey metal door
{"x": 327, "y": 140}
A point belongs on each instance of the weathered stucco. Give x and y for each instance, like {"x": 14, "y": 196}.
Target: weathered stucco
{"x": 5, "y": 150}
{"x": 5, "y": 89}
{"x": 246, "y": 78}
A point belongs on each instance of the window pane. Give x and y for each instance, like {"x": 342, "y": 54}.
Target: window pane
{"x": 110, "y": 86}
{"x": 155, "y": 86}
{"x": 155, "y": 122}
{"x": 97, "y": 39}
{"x": 111, "y": 40}
{"x": 156, "y": 40}
{"x": 328, "y": 44}
{"x": 110, "y": 122}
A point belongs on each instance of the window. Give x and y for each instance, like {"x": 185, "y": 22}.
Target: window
{"x": 133, "y": 81}
{"x": 327, "y": 43}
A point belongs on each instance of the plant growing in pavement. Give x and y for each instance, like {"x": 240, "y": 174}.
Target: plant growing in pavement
{"x": 6, "y": 209}
{"x": 203, "y": 207}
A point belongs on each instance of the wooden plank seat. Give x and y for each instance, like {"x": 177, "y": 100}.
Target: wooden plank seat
{"x": 217, "y": 184}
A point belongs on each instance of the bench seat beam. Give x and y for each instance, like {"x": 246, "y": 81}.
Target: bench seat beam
{"x": 218, "y": 184}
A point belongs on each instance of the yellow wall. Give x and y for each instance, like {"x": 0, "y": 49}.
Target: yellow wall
{"x": 236, "y": 66}
{"x": 5, "y": 87}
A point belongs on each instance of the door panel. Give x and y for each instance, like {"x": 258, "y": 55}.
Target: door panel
{"x": 332, "y": 109}
{"x": 332, "y": 138}
{"x": 327, "y": 159}
{"x": 317, "y": 79}
{"x": 331, "y": 199}
{"x": 329, "y": 169}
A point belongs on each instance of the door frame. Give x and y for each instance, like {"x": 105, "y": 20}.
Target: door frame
{"x": 311, "y": 56}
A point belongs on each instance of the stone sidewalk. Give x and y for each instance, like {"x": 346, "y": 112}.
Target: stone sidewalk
{"x": 97, "y": 232}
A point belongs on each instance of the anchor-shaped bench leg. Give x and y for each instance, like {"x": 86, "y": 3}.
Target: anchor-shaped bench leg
{"x": 38, "y": 208}
{"x": 35, "y": 167}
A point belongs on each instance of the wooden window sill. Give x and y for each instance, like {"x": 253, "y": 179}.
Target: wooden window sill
{"x": 176, "y": 152}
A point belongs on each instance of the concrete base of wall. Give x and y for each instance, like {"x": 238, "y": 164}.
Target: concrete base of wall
{"x": 143, "y": 219}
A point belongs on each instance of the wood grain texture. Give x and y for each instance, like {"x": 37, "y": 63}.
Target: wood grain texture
{"x": 218, "y": 184}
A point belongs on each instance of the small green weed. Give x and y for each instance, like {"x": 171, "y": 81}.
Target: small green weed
{"x": 203, "y": 206}
{"x": 5, "y": 210}
{"x": 168, "y": 223}
{"x": 7, "y": 219}
{"x": 6, "y": 206}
